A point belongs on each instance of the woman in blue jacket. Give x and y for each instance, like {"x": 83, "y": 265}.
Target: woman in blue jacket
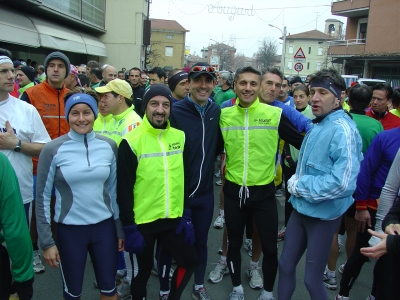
{"x": 82, "y": 167}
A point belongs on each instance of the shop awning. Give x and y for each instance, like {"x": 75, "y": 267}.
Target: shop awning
{"x": 16, "y": 28}
{"x": 32, "y": 31}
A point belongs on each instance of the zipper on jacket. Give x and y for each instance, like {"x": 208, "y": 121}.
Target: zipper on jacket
{"x": 166, "y": 174}
{"x": 202, "y": 159}
{"x": 87, "y": 149}
{"x": 59, "y": 116}
{"x": 246, "y": 159}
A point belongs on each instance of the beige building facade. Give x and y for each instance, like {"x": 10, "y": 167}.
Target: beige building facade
{"x": 167, "y": 44}
{"x": 109, "y": 31}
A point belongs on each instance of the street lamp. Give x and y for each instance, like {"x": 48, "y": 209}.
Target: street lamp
{"x": 283, "y": 47}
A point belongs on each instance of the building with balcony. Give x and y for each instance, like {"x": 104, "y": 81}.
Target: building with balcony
{"x": 371, "y": 47}
{"x": 167, "y": 44}
{"x": 110, "y": 32}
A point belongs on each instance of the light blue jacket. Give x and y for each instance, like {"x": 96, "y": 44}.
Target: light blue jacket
{"x": 327, "y": 169}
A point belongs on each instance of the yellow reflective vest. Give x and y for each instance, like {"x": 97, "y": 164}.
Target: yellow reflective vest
{"x": 121, "y": 124}
{"x": 100, "y": 124}
{"x": 251, "y": 143}
{"x": 159, "y": 187}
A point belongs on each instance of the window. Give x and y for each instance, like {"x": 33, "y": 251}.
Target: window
{"x": 169, "y": 36}
{"x": 309, "y": 50}
{"x": 308, "y": 66}
{"x": 290, "y": 49}
{"x": 289, "y": 64}
{"x": 169, "y": 51}
{"x": 362, "y": 29}
{"x": 320, "y": 50}
{"x": 318, "y": 65}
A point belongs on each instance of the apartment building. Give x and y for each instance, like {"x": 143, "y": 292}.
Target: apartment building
{"x": 371, "y": 48}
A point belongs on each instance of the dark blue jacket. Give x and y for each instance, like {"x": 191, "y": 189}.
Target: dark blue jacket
{"x": 203, "y": 142}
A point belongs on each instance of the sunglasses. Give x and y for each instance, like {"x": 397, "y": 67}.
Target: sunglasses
{"x": 202, "y": 68}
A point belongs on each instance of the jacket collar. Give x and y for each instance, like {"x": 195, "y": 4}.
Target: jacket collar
{"x": 81, "y": 137}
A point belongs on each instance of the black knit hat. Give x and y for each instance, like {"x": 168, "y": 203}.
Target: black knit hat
{"x": 60, "y": 56}
{"x": 29, "y": 72}
{"x": 156, "y": 90}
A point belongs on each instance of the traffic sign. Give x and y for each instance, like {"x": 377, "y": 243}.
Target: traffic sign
{"x": 298, "y": 67}
{"x": 299, "y": 54}
{"x": 214, "y": 60}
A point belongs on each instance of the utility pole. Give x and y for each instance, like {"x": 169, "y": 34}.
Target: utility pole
{"x": 316, "y": 20}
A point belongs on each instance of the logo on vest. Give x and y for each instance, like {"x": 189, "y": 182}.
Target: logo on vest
{"x": 262, "y": 121}
{"x": 49, "y": 107}
{"x": 174, "y": 146}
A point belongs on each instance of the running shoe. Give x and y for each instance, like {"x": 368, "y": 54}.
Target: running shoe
{"x": 281, "y": 233}
{"x": 329, "y": 282}
{"x": 119, "y": 277}
{"x": 338, "y": 297}
{"x": 279, "y": 193}
{"x": 218, "y": 174}
{"x": 163, "y": 297}
{"x": 38, "y": 266}
{"x": 219, "y": 271}
{"x": 256, "y": 281}
{"x": 236, "y": 296}
{"x": 201, "y": 294}
{"x": 218, "y": 182}
{"x": 248, "y": 245}
{"x": 219, "y": 222}
{"x": 263, "y": 297}
{"x": 341, "y": 267}
{"x": 220, "y": 251}
{"x": 124, "y": 291}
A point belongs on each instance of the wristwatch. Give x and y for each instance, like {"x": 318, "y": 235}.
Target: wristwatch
{"x": 18, "y": 147}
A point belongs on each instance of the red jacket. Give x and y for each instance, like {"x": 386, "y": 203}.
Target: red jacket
{"x": 49, "y": 102}
{"x": 388, "y": 121}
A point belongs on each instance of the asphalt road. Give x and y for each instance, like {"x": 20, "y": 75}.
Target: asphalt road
{"x": 48, "y": 285}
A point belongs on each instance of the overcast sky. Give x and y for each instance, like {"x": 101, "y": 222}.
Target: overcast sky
{"x": 246, "y": 31}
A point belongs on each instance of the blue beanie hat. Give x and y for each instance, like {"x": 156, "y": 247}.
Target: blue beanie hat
{"x": 80, "y": 98}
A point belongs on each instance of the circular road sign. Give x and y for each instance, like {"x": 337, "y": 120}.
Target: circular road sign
{"x": 298, "y": 67}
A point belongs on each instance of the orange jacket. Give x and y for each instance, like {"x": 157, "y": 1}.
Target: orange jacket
{"x": 49, "y": 102}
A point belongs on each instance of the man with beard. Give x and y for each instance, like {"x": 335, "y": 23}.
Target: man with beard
{"x": 153, "y": 204}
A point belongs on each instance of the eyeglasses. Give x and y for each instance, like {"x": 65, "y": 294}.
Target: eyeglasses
{"x": 4, "y": 72}
{"x": 202, "y": 68}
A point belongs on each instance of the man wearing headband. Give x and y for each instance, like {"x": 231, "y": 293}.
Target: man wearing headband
{"x": 22, "y": 135}
{"x": 178, "y": 84}
{"x": 198, "y": 116}
{"x": 322, "y": 187}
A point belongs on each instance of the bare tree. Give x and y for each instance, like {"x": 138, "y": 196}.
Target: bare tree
{"x": 153, "y": 55}
{"x": 327, "y": 62}
{"x": 265, "y": 56}
{"x": 240, "y": 61}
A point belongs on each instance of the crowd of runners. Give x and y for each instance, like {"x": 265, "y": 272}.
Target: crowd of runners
{"x": 104, "y": 162}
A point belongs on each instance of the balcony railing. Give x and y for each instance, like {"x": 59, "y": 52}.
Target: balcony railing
{"x": 347, "y": 42}
{"x": 350, "y": 8}
{"x": 346, "y": 47}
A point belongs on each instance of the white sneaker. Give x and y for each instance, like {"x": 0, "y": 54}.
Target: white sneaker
{"x": 219, "y": 271}
{"x": 338, "y": 297}
{"x": 124, "y": 291}
{"x": 248, "y": 245}
{"x": 341, "y": 267}
{"x": 219, "y": 222}
{"x": 38, "y": 266}
{"x": 236, "y": 296}
{"x": 262, "y": 297}
{"x": 256, "y": 281}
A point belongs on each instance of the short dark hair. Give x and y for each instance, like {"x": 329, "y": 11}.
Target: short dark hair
{"x": 302, "y": 88}
{"x": 84, "y": 79}
{"x": 135, "y": 69}
{"x": 384, "y": 87}
{"x": 396, "y": 98}
{"x": 127, "y": 101}
{"x": 275, "y": 71}
{"x": 121, "y": 72}
{"x": 246, "y": 70}
{"x": 332, "y": 75}
{"x": 360, "y": 96}
{"x": 97, "y": 71}
{"x": 5, "y": 52}
{"x": 159, "y": 71}
{"x": 92, "y": 64}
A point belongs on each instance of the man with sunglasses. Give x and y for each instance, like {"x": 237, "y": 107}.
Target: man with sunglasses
{"x": 198, "y": 116}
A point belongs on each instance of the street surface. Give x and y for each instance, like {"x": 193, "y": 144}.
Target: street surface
{"x": 48, "y": 286}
